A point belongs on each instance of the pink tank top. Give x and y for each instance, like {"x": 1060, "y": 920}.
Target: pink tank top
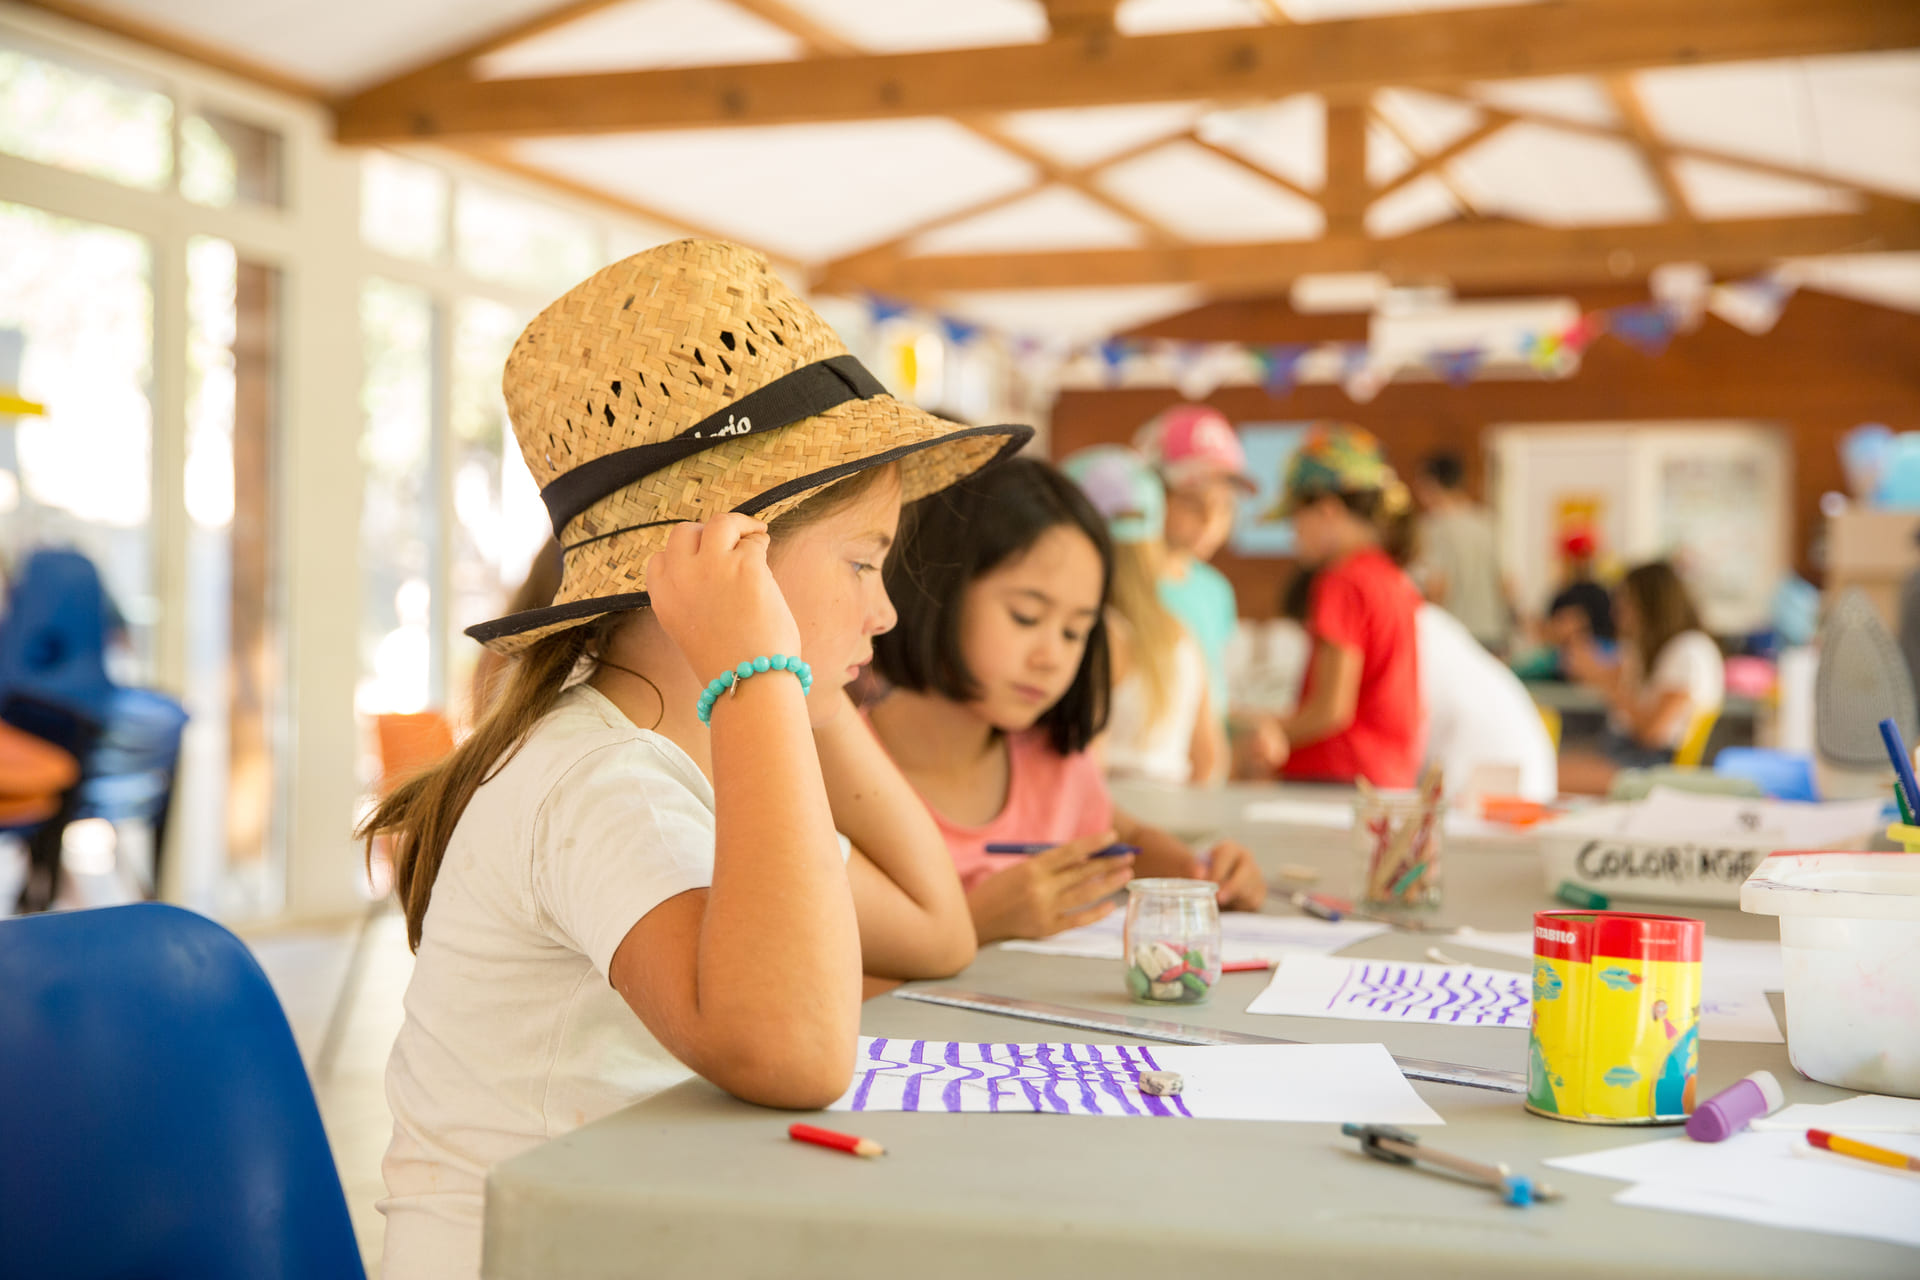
{"x": 1051, "y": 798}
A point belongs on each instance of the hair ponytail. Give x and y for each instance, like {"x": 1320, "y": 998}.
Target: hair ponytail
{"x": 418, "y": 816}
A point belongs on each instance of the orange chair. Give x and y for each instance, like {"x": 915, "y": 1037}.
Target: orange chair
{"x": 410, "y": 743}
{"x": 33, "y": 775}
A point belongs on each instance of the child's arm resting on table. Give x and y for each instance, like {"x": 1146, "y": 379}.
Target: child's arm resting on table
{"x": 913, "y": 916}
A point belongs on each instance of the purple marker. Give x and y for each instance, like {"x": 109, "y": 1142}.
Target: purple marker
{"x": 1735, "y": 1107}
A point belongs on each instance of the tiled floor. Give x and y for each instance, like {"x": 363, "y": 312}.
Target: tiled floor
{"x": 312, "y": 970}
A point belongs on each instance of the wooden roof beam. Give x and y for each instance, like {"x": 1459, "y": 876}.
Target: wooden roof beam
{"x": 1653, "y": 150}
{"x": 1465, "y": 253}
{"x": 1344, "y": 59}
{"x": 1079, "y": 19}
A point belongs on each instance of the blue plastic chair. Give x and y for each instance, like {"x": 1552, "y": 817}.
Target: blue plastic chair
{"x": 53, "y": 637}
{"x": 1781, "y": 774}
{"x": 155, "y": 1116}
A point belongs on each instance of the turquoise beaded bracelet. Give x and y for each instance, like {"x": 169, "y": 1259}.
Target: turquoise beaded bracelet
{"x": 752, "y": 667}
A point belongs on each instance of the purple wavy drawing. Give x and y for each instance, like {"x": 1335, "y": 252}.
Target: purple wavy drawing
{"x": 1059, "y": 1079}
{"x": 1478, "y": 997}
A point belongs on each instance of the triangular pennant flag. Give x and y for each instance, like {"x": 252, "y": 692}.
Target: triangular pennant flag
{"x": 1457, "y": 367}
{"x": 1280, "y": 366}
{"x": 885, "y": 309}
{"x": 1647, "y": 327}
{"x": 958, "y": 332}
{"x": 1113, "y": 354}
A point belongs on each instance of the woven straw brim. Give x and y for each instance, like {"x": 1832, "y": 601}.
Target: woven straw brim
{"x": 764, "y": 475}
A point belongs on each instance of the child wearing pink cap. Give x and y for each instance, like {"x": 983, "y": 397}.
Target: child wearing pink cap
{"x": 1198, "y": 454}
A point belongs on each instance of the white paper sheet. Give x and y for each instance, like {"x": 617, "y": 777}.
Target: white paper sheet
{"x": 1867, "y": 1113}
{"x": 1243, "y": 936}
{"x": 1307, "y": 1082}
{"x": 1397, "y": 991}
{"x": 1735, "y": 975}
{"x": 1762, "y": 1178}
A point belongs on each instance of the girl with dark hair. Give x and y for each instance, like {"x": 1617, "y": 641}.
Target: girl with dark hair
{"x": 999, "y": 677}
{"x": 1670, "y": 672}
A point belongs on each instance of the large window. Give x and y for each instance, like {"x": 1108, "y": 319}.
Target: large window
{"x": 79, "y": 297}
{"x": 105, "y": 123}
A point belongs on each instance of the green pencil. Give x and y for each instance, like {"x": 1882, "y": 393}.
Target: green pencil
{"x": 1906, "y": 807}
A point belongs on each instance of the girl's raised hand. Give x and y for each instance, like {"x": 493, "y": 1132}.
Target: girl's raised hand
{"x": 1060, "y": 889}
{"x": 716, "y": 598}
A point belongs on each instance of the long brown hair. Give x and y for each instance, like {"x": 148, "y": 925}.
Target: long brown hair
{"x": 1664, "y": 608}
{"x": 419, "y": 815}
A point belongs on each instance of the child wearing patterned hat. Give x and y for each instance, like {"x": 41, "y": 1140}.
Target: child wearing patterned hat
{"x": 1359, "y": 714}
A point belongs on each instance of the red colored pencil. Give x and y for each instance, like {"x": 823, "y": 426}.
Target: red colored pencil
{"x": 1246, "y": 966}
{"x": 838, "y": 1141}
{"x": 1842, "y": 1146}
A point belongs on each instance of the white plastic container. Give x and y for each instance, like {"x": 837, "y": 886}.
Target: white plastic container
{"x": 1850, "y": 937}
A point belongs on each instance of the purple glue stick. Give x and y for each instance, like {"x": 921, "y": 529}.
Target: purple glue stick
{"x": 1735, "y": 1107}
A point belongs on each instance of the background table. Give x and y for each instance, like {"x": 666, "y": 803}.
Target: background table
{"x": 693, "y": 1182}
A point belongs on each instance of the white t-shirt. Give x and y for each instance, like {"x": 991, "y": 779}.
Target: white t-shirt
{"x": 1162, "y": 749}
{"x": 513, "y": 1033}
{"x": 1691, "y": 664}
{"x": 1478, "y": 712}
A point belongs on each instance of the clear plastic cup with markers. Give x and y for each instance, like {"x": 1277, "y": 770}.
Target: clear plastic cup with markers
{"x": 1399, "y": 839}
{"x": 1172, "y": 940}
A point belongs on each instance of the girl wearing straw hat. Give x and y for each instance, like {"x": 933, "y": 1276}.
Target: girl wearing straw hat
{"x": 632, "y": 864}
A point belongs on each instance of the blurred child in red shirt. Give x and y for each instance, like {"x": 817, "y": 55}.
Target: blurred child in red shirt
{"x": 1359, "y": 712}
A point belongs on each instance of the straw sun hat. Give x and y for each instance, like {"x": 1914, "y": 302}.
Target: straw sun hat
{"x": 685, "y": 382}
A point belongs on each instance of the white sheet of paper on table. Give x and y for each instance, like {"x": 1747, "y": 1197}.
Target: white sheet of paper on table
{"x": 1243, "y": 936}
{"x": 1331, "y": 1083}
{"x": 1735, "y": 975}
{"x": 1867, "y": 1113}
{"x": 1397, "y": 991}
{"x": 1768, "y": 1178}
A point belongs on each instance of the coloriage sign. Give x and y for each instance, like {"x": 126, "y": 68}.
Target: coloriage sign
{"x": 1616, "y": 1017}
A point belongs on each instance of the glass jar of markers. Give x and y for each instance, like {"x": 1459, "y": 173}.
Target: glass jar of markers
{"x": 1399, "y": 839}
{"x": 1172, "y": 940}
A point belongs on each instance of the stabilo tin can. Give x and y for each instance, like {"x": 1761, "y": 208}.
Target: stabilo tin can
{"x": 1616, "y": 1017}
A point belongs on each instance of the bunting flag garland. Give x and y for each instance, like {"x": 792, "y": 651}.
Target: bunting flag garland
{"x": 1682, "y": 295}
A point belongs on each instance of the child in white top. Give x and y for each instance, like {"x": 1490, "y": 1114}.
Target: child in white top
{"x": 619, "y": 880}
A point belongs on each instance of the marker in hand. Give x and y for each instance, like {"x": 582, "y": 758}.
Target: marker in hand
{"x": 1027, "y": 850}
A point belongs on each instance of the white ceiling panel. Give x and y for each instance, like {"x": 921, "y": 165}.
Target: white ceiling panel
{"x": 813, "y": 192}
{"x": 1727, "y": 191}
{"x": 907, "y": 26}
{"x": 1287, "y": 137}
{"x": 1202, "y": 196}
{"x": 1071, "y": 315}
{"x": 1054, "y": 218}
{"x": 1420, "y": 203}
{"x": 1157, "y": 17}
{"x": 647, "y": 33}
{"x": 1428, "y": 119}
{"x": 1855, "y": 118}
{"x": 339, "y": 45}
{"x": 1330, "y": 10}
{"x": 1580, "y": 99}
{"x": 1082, "y": 136}
{"x": 1889, "y": 279}
{"x": 1559, "y": 178}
